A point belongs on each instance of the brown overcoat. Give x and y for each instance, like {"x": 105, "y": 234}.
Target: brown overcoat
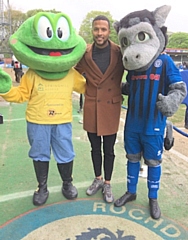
{"x": 103, "y": 99}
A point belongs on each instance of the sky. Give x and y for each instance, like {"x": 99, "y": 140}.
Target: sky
{"x": 177, "y": 20}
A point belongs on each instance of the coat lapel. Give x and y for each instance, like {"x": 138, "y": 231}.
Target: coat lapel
{"x": 94, "y": 68}
{"x": 113, "y": 61}
{"x": 91, "y": 64}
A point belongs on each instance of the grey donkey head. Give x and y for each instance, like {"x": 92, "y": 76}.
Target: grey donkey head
{"x": 142, "y": 37}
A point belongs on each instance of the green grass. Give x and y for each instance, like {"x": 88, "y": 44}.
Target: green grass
{"x": 179, "y": 117}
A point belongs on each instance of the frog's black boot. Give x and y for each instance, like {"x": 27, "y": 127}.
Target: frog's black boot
{"x": 40, "y": 196}
{"x": 68, "y": 190}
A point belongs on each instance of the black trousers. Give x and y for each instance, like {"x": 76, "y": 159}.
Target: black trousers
{"x": 96, "y": 154}
{"x": 81, "y": 101}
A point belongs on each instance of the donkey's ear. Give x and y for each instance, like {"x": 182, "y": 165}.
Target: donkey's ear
{"x": 116, "y": 26}
{"x": 160, "y": 14}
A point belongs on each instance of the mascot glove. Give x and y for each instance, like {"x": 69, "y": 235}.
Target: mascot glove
{"x": 169, "y": 104}
{"x": 5, "y": 82}
{"x": 125, "y": 88}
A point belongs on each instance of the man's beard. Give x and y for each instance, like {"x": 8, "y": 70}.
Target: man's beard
{"x": 100, "y": 44}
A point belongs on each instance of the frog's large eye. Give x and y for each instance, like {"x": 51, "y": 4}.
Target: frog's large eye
{"x": 142, "y": 37}
{"x": 63, "y": 30}
{"x": 45, "y": 31}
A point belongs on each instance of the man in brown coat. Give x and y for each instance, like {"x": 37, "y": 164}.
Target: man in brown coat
{"x": 103, "y": 68}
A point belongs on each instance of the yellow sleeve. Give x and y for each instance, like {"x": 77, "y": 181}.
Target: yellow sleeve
{"x": 79, "y": 82}
{"x": 22, "y": 92}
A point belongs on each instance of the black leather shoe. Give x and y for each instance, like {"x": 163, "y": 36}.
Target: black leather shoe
{"x": 155, "y": 211}
{"x": 127, "y": 197}
{"x": 69, "y": 191}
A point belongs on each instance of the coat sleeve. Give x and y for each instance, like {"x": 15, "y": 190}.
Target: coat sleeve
{"x": 79, "y": 67}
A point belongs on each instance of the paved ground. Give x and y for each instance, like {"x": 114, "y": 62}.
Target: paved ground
{"x": 18, "y": 180}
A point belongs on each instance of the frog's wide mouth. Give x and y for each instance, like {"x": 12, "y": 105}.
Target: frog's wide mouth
{"x": 51, "y": 52}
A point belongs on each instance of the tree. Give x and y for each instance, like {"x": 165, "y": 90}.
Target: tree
{"x": 178, "y": 40}
{"x": 86, "y": 26}
{"x": 17, "y": 18}
{"x": 13, "y": 19}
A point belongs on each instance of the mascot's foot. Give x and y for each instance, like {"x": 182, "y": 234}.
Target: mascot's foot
{"x": 155, "y": 211}
{"x": 127, "y": 197}
{"x": 69, "y": 191}
{"x": 40, "y": 197}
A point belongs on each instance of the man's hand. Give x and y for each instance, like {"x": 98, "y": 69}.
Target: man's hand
{"x": 125, "y": 88}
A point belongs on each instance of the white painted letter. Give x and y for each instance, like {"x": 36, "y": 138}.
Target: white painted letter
{"x": 175, "y": 232}
{"x": 101, "y": 206}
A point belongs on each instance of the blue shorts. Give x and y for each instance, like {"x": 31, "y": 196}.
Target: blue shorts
{"x": 46, "y": 137}
{"x": 138, "y": 145}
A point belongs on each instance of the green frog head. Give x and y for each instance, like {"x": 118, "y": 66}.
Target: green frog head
{"x": 48, "y": 44}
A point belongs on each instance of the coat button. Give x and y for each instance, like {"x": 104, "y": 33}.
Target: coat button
{"x": 98, "y": 100}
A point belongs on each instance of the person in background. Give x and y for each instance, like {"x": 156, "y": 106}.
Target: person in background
{"x": 80, "y": 103}
{"x": 185, "y": 66}
{"x": 17, "y": 67}
{"x": 103, "y": 68}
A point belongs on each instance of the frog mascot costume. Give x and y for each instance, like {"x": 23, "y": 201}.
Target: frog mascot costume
{"x": 48, "y": 44}
{"x": 155, "y": 90}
